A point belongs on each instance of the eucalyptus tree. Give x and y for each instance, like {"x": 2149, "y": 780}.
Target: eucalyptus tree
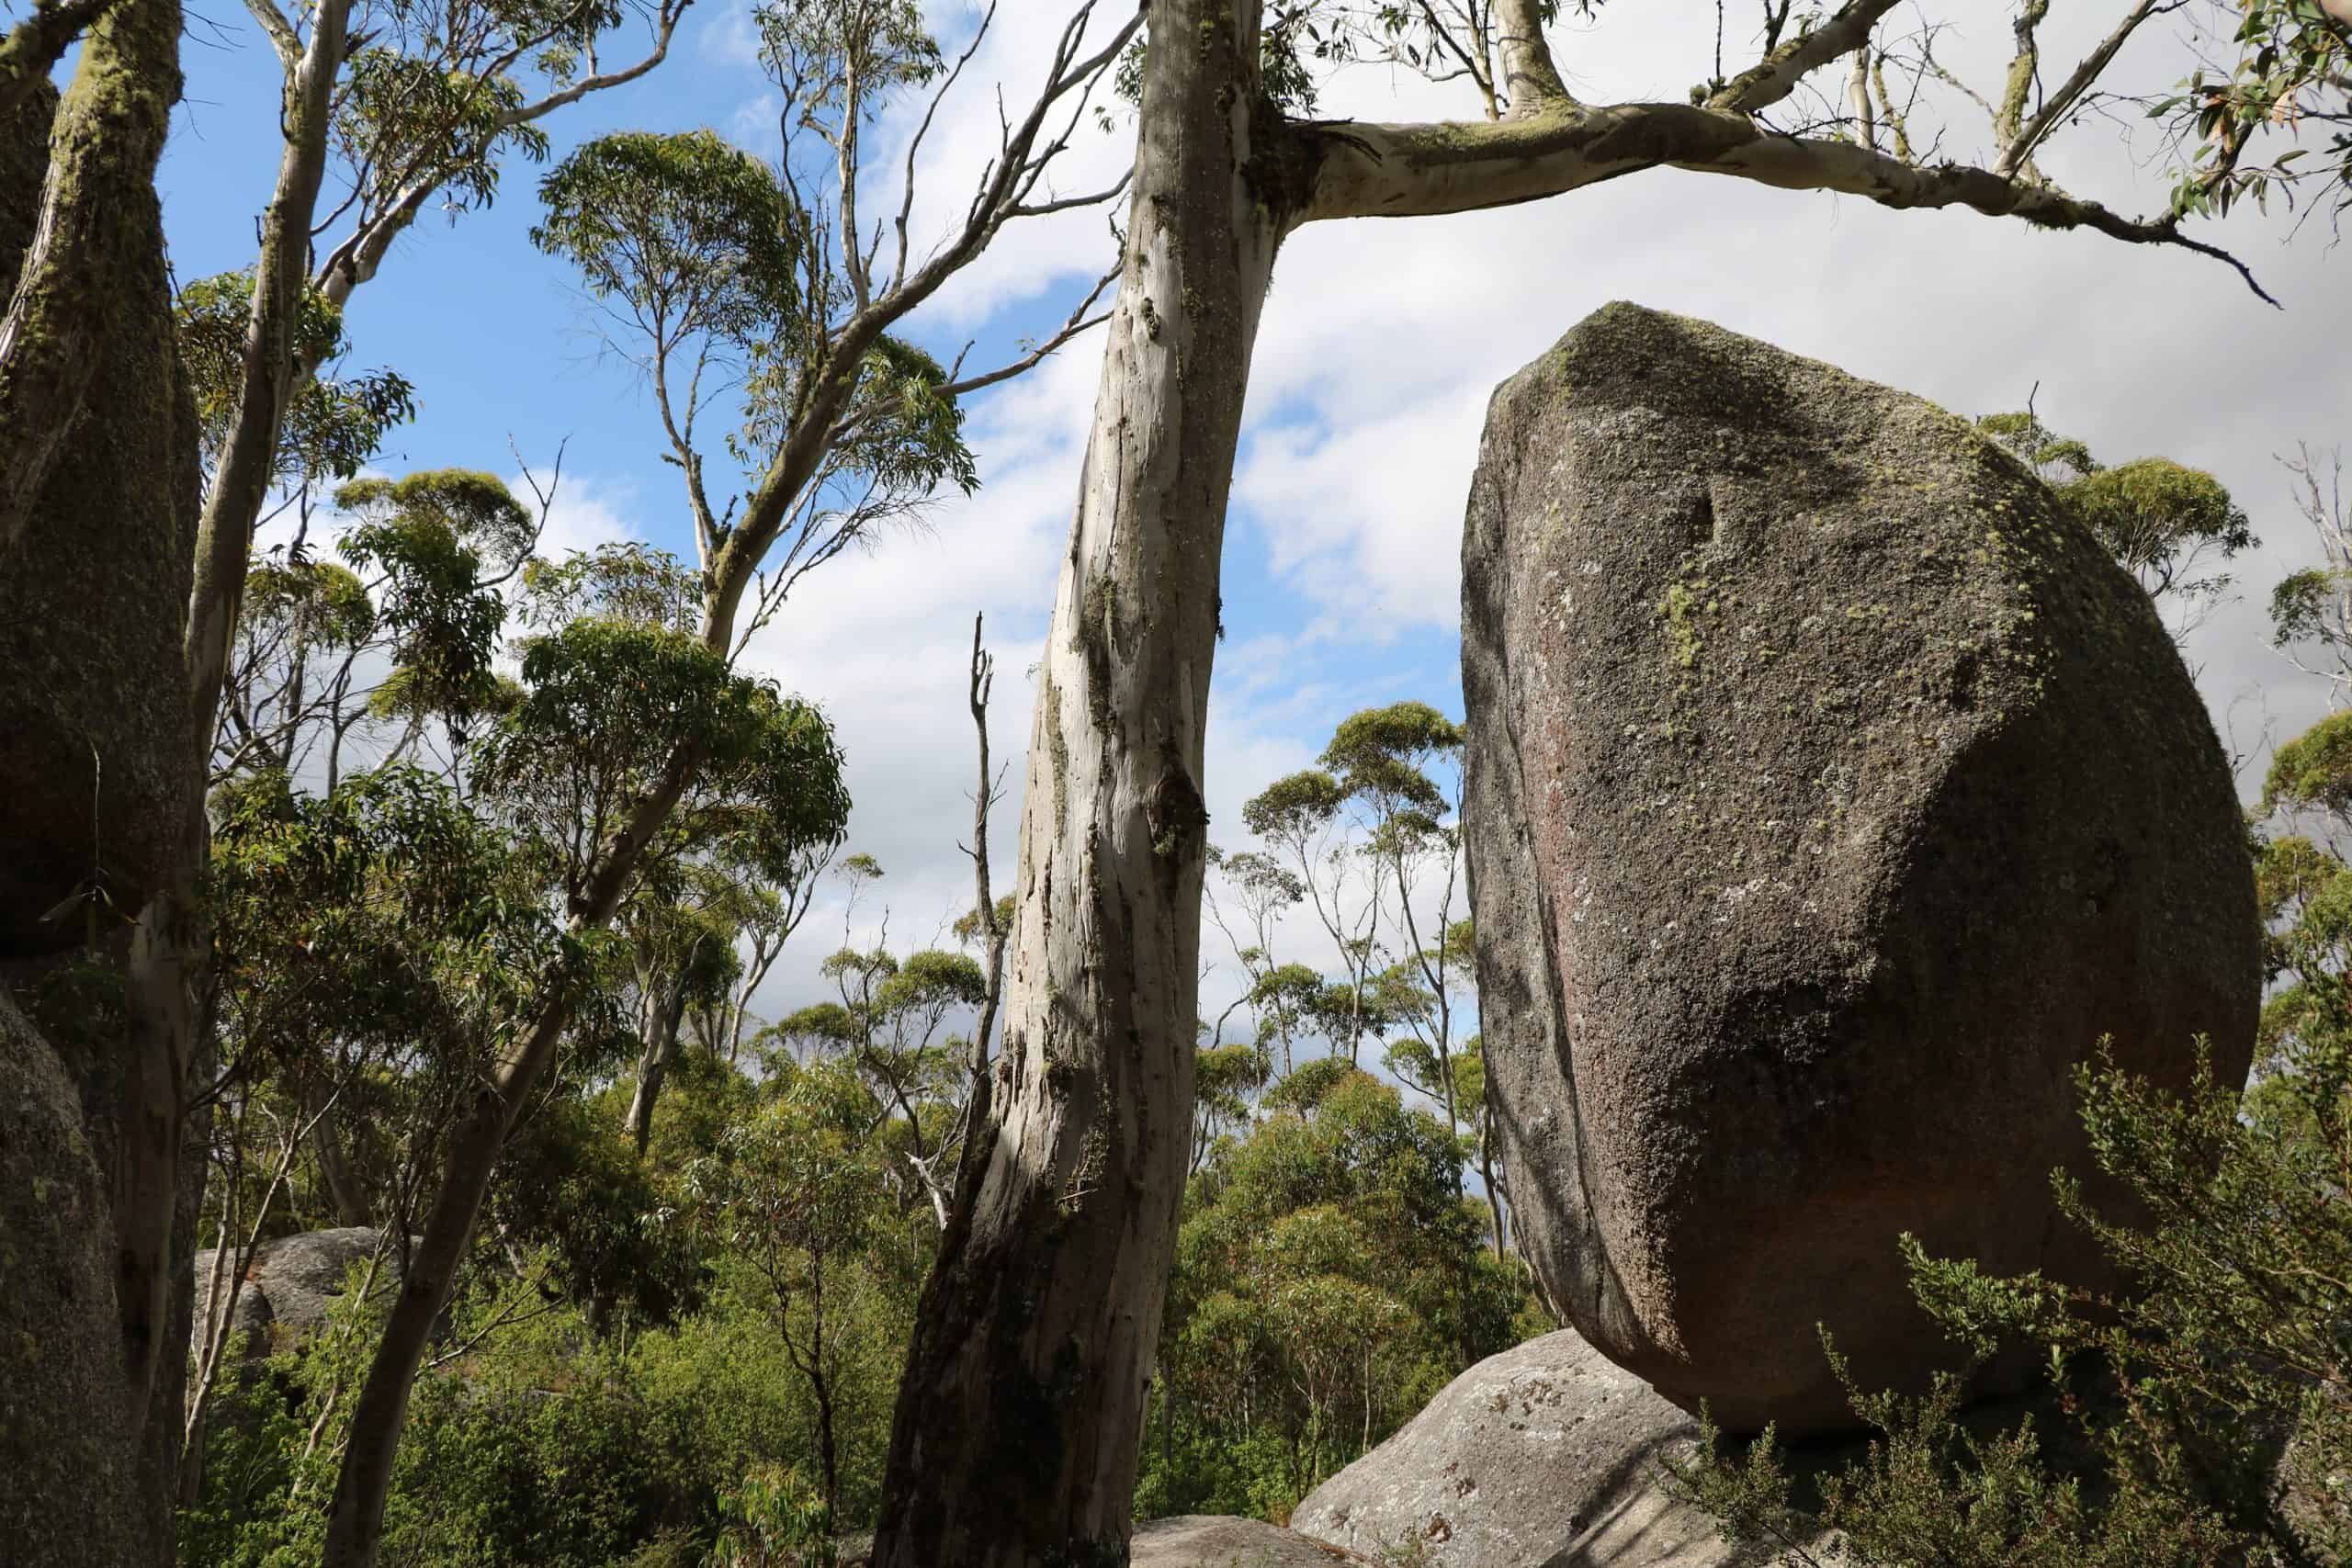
{"x": 2310, "y": 610}
{"x": 1303, "y": 816}
{"x": 1382, "y": 758}
{"x": 2171, "y": 526}
{"x": 387, "y": 107}
{"x": 1016, "y": 1435}
{"x": 842, "y": 426}
{"x": 793, "y": 1189}
{"x": 1262, "y": 889}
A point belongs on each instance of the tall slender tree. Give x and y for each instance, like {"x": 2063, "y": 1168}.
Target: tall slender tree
{"x": 1016, "y": 1435}
{"x": 721, "y": 272}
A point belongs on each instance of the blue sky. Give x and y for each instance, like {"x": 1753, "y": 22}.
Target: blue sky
{"x": 1381, "y": 341}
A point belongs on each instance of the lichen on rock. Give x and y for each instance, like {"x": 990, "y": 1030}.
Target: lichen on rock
{"x": 1800, "y": 893}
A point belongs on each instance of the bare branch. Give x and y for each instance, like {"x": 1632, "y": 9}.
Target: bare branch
{"x": 2025, "y": 67}
{"x": 930, "y": 112}
{"x": 1078, "y": 321}
{"x": 665, "y": 24}
{"x": 278, "y": 31}
{"x": 2018, "y": 155}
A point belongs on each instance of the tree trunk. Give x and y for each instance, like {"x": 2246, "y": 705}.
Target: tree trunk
{"x": 343, "y": 1184}
{"x": 96, "y": 224}
{"x": 1016, "y": 1438}
{"x": 665, "y": 1010}
{"x": 1487, "y": 1174}
{"x": 356, "y": 1519}
{"x": 268, "y": 373}
{"x": 101, "y": 788}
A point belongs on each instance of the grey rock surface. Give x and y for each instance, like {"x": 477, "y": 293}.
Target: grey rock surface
{"x": 68, "y": 1484}
{"x": 292, "y": 1283}
{"x": 1208, "y": 1540}
{"x": 1546, "y": 1456}
{"x": 1828, "y": 796}
{"x": 1192, "y": 1541}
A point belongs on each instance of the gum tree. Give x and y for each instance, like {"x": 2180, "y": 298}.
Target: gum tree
{"x": 1017, "y": 1430}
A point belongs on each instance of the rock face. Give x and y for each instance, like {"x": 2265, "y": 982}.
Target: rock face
{"x": 1207, "y": 1540}
{"x": 292, "y": 1283}
{"x": 1828, "y": 796}
{"x": 69, "y": 1487}
{"x": 1546, "y": 1456}
{"x": 1192, "y": 1541}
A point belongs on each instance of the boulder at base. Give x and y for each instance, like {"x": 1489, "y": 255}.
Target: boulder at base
{"x": 69, "y": 1492}
{"x": 1546, "y": 1456}
{"x": 1192, "y": 1541}
{"x": 1209, "y": 1540}
{"x": 1829, "y": 794}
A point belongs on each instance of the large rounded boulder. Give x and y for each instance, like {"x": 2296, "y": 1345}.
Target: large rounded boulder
{"x": 1830, "y": 797}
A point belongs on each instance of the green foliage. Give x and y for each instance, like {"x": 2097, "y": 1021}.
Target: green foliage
{"x": 610, "y": 704}
{"x": 1328, "y": 1279}
{"x": 382, "y": 916}
{"x": 2292, "y": 62}
{"x": 2313, "y": 771}
{"x": 690, "y": 234}
{"x": 1380, "y": 755}
{"x": 1300, "y": 804}
{"x": 607, "y": 1225}
{"x": 629, "y": 581}
{"x": 275, "y": 1441}
{"x": 2150, "y": 511}
{"x": 429, "y": 534}
{"x": 2213, "y": 1401}
{"x": 902, "y": 438}
{"x": 2304, "y": 607}
{"x": 315, "y": 604}
{"x": 334, "y": 426}
{"x": 403, "y": 115}
{"x": 2163, "y": 522}
{"x": 775, "y": 1517}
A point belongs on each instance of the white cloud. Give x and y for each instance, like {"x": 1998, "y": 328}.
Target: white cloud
{"x": 586, "y": 510}
{"x": 1381, "y": 341}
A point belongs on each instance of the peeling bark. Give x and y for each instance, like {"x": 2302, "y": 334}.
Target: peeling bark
{"x": 1016, "y": 1435}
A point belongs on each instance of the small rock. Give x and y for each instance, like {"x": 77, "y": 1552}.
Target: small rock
{"x": 1546, "y": 1456}
{"x": 1207, "y": 1540}
{"x": 292, "y": 1283}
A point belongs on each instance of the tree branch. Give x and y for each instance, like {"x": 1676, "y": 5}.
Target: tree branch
{"x": 1776, "y": 76}
{"x": 1078, "y": 321}
{"x": 1370, "y": 171}
{"x": 38, "y": 43}
{"x": 279, "y": 31}
{"x": 2018, "y": 155}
